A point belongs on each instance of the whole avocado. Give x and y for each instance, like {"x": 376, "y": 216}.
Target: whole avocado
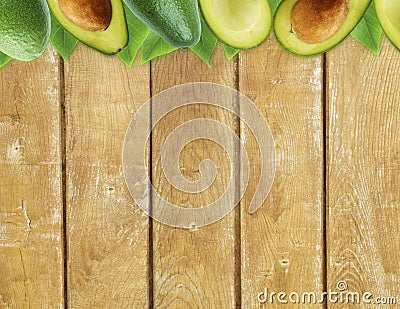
{"x": 175, "y": 21}
{"x": 24, "y": 28}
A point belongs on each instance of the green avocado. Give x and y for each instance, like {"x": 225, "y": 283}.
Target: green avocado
{"x": 388, "y": 12}
{"x": 109, "y": 41}
{"x": 239, "y": 24}
{"x": 286, "y": 34}
{"x": 176, "y": 21}
{"x": 24, "y": 28}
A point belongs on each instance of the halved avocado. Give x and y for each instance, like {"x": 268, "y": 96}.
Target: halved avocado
{"x": 311, "y": 27}
{"x": 237, "y": 23}
{"x": 388, "y": 12}
{"x": 108, "y": 41}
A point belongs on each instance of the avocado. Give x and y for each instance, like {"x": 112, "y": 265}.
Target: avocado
{"x": 239, "y": 24}
{"x": 176, "y": 21}
{"x": 311, "y": 27}
{"x": 388, "y": 12}
{"x": 107, "y": 34}
{"x": 24, "y": 28}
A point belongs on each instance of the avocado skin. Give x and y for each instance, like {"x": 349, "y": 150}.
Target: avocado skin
{"x": 176, "y": 21}
{"x": 24, "y": 28}
{"x": 392, "y": 32}
{"x": 109, "y": 41}
{"x": 308, "y": 50}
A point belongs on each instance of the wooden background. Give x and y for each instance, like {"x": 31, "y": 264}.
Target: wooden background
{"x": 71, "y": 236}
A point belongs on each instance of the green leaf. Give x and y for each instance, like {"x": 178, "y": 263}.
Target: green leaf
{"x": 206, "y": 46}
{"x": 230, "y": 52}
{"x": 368, "y": 31}
{"x": 154, "y": 46}
{"x": 138, "y": 33}
{"x": 274, "y": 5}
{"x": 4, "y": 59}
{"x": 63, "y": 41}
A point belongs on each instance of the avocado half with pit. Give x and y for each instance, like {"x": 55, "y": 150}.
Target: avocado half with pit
{"x": 310, "y": 27}
{"x": 388, "y": 12}
{"x": 237, "y": 23}
{"x": 99, "y": 24}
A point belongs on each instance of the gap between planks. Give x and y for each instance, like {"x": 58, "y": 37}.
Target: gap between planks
{"x": 325, "y": 143}
{"x": 63, "y": 145}
{"x": 237, "y": 224}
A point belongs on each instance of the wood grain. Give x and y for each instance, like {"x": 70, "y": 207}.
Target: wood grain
{"x": 282, "y": 243}
{"x": 31, "y": 245}
{"x": 363, "y": 169}
{"x": 107, "y": 233}
{"x": 193, "y": 269}
{"x": 116, "y": 259}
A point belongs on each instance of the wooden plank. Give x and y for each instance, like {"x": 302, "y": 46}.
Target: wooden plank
{"x": 282, "y": 243}
{"x": 107, "y": 233}
{"x": 193, "y": 269}
{"x": 31, "y": 245}
{"x": 363, "y": 169}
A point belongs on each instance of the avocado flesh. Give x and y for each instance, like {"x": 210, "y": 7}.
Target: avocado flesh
{"x": 239, "y": 24}
{"x": 24, "y": 28}
{"x": 290, "y": 41}
{"x": 176, "y": 21}
{"x": 388, "y": 12}
{"x": 109, "y": 41}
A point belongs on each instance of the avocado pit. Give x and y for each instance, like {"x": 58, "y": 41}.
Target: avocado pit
{"x": 314, "y": 21}
{"x": 92, "y": 15}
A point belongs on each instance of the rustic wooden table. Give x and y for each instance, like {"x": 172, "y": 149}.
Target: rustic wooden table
{"x": 72, "y": 237}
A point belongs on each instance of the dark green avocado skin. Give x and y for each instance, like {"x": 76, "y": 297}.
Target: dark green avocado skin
{"x": 176, "y": 21}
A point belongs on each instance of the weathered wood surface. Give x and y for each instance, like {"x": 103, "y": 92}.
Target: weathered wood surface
{"x": 31, "y": 242}
{"x": 363, "y": 171}
{"x": 193, "y": 269}
{"x": 282, "y": 243}
{"x": 332, "y": 214}
{"x": 107, "y": 235}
